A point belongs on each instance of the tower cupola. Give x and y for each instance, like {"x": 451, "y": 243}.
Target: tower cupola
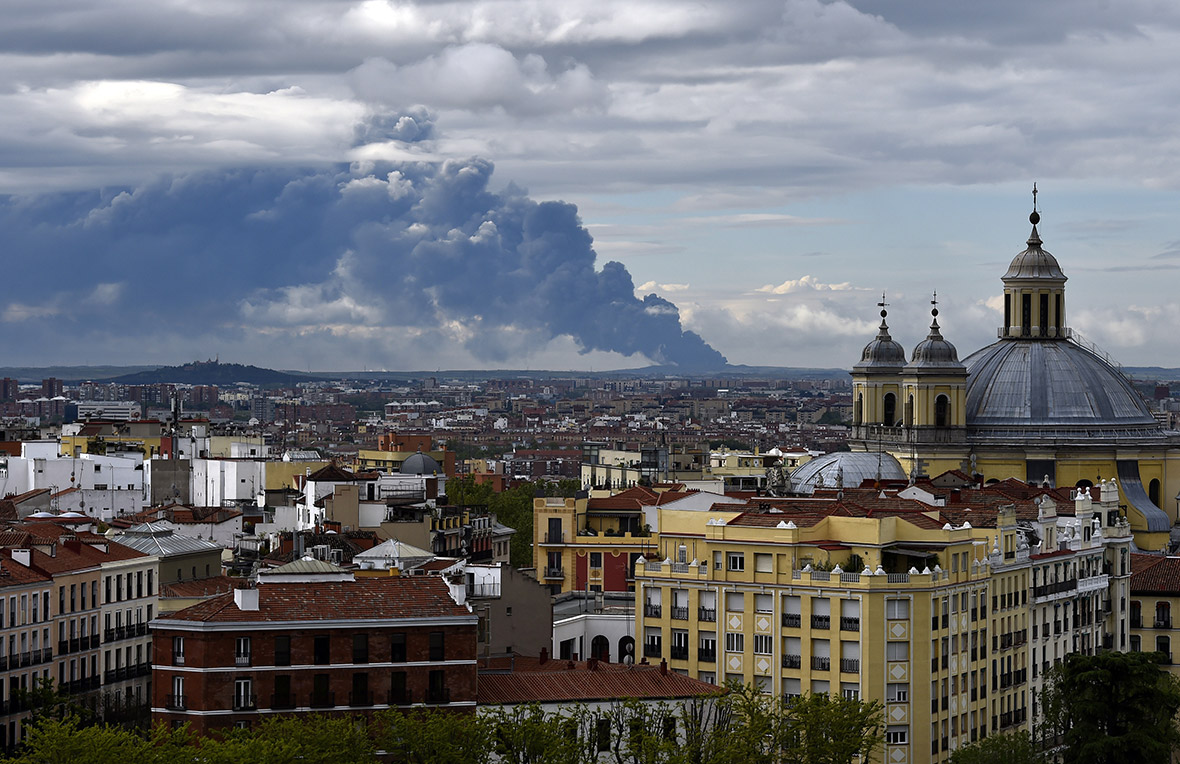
{"x": 1034, "y": 291}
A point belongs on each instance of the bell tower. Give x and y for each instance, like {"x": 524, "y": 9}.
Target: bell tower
{"x": 1034, "y": 291}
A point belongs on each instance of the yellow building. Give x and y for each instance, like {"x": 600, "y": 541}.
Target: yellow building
{"x": 1039, "y": 403}
{"x": 1155, "y": 597}
{"x": 889, "y": 595}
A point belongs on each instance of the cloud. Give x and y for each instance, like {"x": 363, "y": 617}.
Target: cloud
{"x": 649, "y": 286}
{"x": 807, "y": 283}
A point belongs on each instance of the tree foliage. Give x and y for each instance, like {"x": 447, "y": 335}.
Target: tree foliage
{"x": 513, "y": 507}
{"x": 1113, "y": 707}
{"x": 742, "y": 727}
{"x": 1013, "y": 748}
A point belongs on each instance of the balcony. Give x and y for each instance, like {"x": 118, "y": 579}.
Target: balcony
{"x": 400, "y": 697}
{"x": 679, "y": 613}
{"x": 322, "y": 700}
{"x": 651, "y": 610}
{"x": 849, "y": 624}
{"x": 850, "y": 665}
{"x": 436, "y": 695}
{"x": 707, "y": 655}
{"x": 554, "y": 538}
{"x": 175, "y": 702}
{"x": 554, "y": 572}
{"x": 792, "y": 620}
{"x": 1136, "y": 621}
{"x": 821, "y": 621}
{"x": 282, "y": 702}
{"x": 792, "y": 661}
{"x": 177, "y": 659}
{"x": 819, "y": 663}
{"x": 360, "y": 699}
{"x": 678, "y": 652}
{"x": 241, "y": 660}
{"x": 1162, "y": 623}
{"x": 245, "y": 702}
{"x": 652, "y": 649}
{"x": 63, "y": 647}
{"x": 707, "y": 614}
{"x": 1056, "y": 587}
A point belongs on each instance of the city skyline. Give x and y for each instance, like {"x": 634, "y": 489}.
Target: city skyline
{"x": 342, "y": 184}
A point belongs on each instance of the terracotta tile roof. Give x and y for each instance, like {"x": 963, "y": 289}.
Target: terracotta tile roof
{"x": 556, "y": 682}
{"x": 362, "y": 599}
{"x": 1153, "y": 574}
{"x": 22, "y": 497}
{"x": 204, "y": 587}
{"x": 332, "y": 474}
{"x": 14, "y": 574}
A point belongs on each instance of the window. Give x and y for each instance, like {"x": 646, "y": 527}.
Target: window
{"x": 735, "y": 642}
{"x": 897, "y": 651}
{"x": 897, "y": 693}
{"x": 735, "y": 602}
{"x": 897, "y": 735}
{"x": 397, "y": 689}
{"x": 282, "y": 650}
{"x": 596, "y": 559}
{"x": 178, "y": 651}
{"x": 736, "y": 561}
{"x": 360, "y": 690}
{"x": 437, "y": 646}
{"x": 717, "y": 559}
{"x": 763, "y": 563}
{"x": 243, "y": 694}
{"x": 897, "y": 609}
{"x": 602, "y": 734}
{"x": 177, "y": 699}
{"x": 763, "y": 603}
{"x": 763, "y": 644}
{"x": 360, "y": 648}
{"x": 242, "y": 651}
{"x": 321, "y": 650}
{"x": 397, "y": 648}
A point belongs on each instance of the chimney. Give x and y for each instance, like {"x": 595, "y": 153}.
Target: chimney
{"x": 663, "y": 667}
{"x": 22, "y": 556}
{"x": 246, "y": 599}
{"x": 544, "y": 655}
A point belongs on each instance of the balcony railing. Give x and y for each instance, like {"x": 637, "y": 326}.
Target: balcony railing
{"x": 554, "y": 572}
{"x": 360, "y": 698}
{"x": 850, "y": 665}
{"x": 322, "y": 700}
{"x": 792, "y": 661}
{"x": 438, "y": 695}
{"x": 678, "y": 652}
{"x": 819, "y": 663}
{"x": 400, "y": 697}
{"x": 1162, "y": 623}
{"x": 707, "y": 655}
{"x": 175, "y": 702}
{"x": 679, "y": 613}
{"x": 651, "y": 610}
{"x": 245, "y": 702}
{"x": 282, "y": 701}
{"x": 707, "y": 614}
{"x": 177, "y": 659}
{"x": 792, "y": 620}
{"x": 652, "y": 649}
{"x": 1055, "y": 588}
{"x": 554, "y": 538}
{"x": 849, "y": 624}
{"x": 821, "y": 621}
{"x": 241, "y": 660}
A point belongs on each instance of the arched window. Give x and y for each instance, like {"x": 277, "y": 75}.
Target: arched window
{"x": 1153, "y": 491}
{"x": 889, "y": 406}
{"x": 942, "y": 411}
{"x": 909, "y": 411}
{"x": 1136, "y": 615}
{"x": 627, "y": 650}
{"x": 1083, "y": 483}
{"x": 600, "y": 648}
{"x": 1164, "y": 645}
{"x": 1163, "y": 615}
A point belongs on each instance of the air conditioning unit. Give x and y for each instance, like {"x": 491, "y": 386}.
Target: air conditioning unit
{"x": 338, "y": 556}
{"x": 320, "y": 551}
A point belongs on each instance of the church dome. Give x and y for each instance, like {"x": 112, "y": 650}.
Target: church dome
{"x": 883, "y": 354}
{"x": 1032, "y": 389}
{"x": 420, "y": 464}
{"x": 1034, "y": 262}
{"x": 934, "y": 353}
{"x": 844, "y": 468}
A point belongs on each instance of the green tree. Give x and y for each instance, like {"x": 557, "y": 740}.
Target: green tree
{"x": 432, "y": 736}
{"x": 1113, "y": 707}
{"x": 833, "y": 729}
{"x": 525, "y": 734}
{"x": 1015, "y": 748}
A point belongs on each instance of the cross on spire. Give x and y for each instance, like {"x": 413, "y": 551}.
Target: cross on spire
{"x": 1034, "y": 196}
{"x": 882, "y": 304}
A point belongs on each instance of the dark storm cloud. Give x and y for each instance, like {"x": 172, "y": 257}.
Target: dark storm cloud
{"x": 394, "y": 246}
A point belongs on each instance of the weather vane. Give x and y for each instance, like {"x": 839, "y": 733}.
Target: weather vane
{"x": 934, "y": 302}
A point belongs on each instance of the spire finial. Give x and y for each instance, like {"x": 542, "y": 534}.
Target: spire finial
{"x": 882, "y": 305}
{"x": 934, "y": 302}
{"x": 1035, "y": 217}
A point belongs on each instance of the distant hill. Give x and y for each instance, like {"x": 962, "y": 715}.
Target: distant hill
{"x": 212, "y": 373}
{"x": 34, "y": 374}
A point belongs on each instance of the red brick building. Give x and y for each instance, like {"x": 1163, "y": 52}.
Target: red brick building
{"x": 313, "y": 639}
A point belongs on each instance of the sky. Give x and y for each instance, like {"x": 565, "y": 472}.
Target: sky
{"x": 583, "y": 184}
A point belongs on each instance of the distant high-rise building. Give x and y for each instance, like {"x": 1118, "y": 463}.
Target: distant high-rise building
{"x": 52, "y": 387}
{"x": 9, "y": 389}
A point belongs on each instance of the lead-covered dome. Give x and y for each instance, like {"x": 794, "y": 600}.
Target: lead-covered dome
{"x": 935, "y": 353}
{"x": 883, "y": 354}
{"x": 844, "y": 468}
{"x": 1034, "y": 262}
{"x": 420, "y": 464}
{"x": 1032, "y": 389}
